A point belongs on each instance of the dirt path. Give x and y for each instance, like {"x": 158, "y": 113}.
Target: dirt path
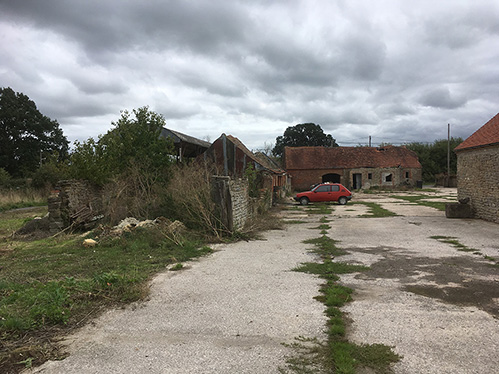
{"x": 227, "y": 313}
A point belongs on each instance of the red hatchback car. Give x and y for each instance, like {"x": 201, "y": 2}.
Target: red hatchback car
{"x": 325, "y": 192}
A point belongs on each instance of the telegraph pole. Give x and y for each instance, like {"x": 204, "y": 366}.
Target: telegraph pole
{"x": 448, "y": 155}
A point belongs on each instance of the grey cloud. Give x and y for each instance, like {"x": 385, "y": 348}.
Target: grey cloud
{"x": 395, "y": 71}
{"x": 442, "y": 98}
{"x": 104, "y": 27}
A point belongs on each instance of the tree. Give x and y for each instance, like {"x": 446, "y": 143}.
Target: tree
{"x": 301, "y": 135}
{"x": 26, "y": 134}
{"x": 433, "y": 157}
{"x": 133, "y": 142}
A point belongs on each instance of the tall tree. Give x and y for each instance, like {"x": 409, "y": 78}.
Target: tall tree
{"x": 302, "y": 135}
{"x": 26, "y": 134}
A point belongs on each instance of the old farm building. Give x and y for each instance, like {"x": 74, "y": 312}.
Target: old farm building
{"x": 478, "y": 170}
{"x": 354, "y": 167}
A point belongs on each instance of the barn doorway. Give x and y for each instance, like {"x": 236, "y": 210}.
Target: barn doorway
{"x": 332, "y": 178}
{"x": 357, "y": 181}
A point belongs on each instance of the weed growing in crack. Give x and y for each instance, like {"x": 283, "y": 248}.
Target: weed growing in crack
{"x": 455, "y": 243}
{"x": 337, "y": 355}
{"x": 319, "y": 208}
{"x": 418, "y": 199}
{"x": 375, "y": 210}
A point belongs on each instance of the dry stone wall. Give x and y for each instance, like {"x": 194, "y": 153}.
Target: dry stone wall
{"x": 239, "y": 191}
{"x": 234, "y": 205}
{"x": 74, "y": 202}
{"x": 478, "y": 179}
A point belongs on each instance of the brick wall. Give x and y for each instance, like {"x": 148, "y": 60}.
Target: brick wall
{"x": 478, "y": 179}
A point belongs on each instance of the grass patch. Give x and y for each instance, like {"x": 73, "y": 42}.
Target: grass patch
{"x": 320, "y": 208}
{"x": 293, "y": 221}
{"x": 375, "y": 210}
{"x": 323, "y": 227}
{"x": 455, "y": 243}
{"x": 337, "y": 355}
{"x": 293, "y": 208}
{"x": 325, "y": 247}
{"x": 418, "y": 199}
{"x": 53, "y": 285}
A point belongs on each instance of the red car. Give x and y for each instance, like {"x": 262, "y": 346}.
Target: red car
{"x": 325, "y": 192}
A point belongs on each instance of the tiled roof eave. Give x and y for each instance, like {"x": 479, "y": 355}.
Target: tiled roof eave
{"x": 476, "y": 147}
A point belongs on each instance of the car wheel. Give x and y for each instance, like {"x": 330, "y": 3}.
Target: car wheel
{"x": 304, "y": 201}
{"x": 342, "y": 200}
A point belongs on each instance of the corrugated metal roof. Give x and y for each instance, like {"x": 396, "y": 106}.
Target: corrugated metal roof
{"x": 259, "y": 159}
{"x": 349, "y": 157}
{"x": 488, "y": 134}
{"x": 178, "y": 136}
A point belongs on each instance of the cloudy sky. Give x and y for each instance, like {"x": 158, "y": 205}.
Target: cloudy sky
{"x": 396, "y": 70}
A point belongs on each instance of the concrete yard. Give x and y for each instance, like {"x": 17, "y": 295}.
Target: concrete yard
{"x": 230, "y": 312}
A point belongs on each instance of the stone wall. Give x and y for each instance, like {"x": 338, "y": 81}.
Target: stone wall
{"x": 239, "y": 191}
{"x": 233, "y": 203}
{"x": 73, "y": 203}
{"x": 478, "y": 179}
{"x": 371, "y": 177}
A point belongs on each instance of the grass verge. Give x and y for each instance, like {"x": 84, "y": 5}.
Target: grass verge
{"x": 337, "y": 355}
{"x": 48, "y": 287}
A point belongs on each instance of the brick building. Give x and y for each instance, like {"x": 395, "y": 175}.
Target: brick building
{"x": 354, "y": 167}
{"x": 478, "y": 170}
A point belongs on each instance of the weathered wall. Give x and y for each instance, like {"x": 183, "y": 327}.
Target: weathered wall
{"x": 231, "y": 197}
{"x": 478, "y": 179}
{"x": 303, "y": 179}
{"x": 239, "y": 191}
{"x": 233, "y": 203}
{"x": 73, "y": 202}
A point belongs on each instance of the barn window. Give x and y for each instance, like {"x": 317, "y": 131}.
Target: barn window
{"x": 388, "y": 178}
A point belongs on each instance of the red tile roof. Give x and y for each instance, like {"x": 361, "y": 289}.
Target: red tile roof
{"x": 488, "y": 134}
{"x": 349, "y": 157}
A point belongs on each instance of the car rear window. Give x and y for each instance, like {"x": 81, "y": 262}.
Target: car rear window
{"x": 335, "y": 188}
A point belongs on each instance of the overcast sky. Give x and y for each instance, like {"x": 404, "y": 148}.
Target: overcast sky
{"x": 396, "y": 70}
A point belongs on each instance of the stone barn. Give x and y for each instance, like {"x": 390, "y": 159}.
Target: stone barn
{"x": 354, "y": 167}
{"x": 478, "y": 171}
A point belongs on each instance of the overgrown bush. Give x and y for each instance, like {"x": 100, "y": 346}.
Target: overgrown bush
{"x": 191, "y": 200}
{"x": 134, "y": 140}
{"x": 137, "y": 193}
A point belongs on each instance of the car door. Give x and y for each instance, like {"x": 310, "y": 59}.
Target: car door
{"x": 321, "y": 193}
{"x": 335, "y": 192}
